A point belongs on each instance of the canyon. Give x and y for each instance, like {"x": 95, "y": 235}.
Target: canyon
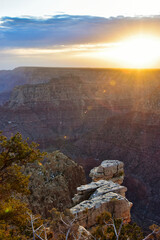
{"x": 91, "y": 115}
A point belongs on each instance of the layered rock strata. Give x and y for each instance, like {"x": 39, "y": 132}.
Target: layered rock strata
{"x": 95, "y": 189}
{"x": 88, "y": 210}
{"x": 97, "y": 197}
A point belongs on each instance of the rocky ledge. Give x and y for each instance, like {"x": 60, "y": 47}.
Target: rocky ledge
{"x": 95, "y": 189}
{"x": 99, "y": 196}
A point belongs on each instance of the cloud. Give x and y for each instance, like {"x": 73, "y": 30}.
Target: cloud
{"x": 30, "y": 32}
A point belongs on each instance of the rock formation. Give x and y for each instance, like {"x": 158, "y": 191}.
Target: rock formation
{"x": 95, "y": 189}
{"x": 99, "y": 196}
{"x": 53, "y": 183}
{"x": 112, "y": 169}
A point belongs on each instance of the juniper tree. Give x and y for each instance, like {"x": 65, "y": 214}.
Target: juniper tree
{"x": 14, "y": 153}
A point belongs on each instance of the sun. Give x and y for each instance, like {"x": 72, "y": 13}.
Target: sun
{"x": 139, "y": 51}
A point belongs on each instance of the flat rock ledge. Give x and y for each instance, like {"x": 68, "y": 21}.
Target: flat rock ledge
{"x": 95, "y": 189}
{"x": 88, "y": 210}
{"x": 108, "y": 170}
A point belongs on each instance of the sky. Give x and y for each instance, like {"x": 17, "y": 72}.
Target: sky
{"x": 86, "y": 33}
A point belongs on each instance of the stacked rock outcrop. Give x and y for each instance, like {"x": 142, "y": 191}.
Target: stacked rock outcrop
{"x": 102, "y": 195}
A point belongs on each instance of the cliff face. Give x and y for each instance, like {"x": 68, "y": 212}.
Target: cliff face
{"x": 54, "y": 92}
{"x": 53, "y": 183}
{"x": 93, "y": 114}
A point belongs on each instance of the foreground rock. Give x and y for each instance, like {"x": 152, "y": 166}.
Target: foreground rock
{"x": 98, "y": 188}
{"x": 99, "y": 196}
{"x": 53, "y": 183}
{"x": 88, "y": 210}
{"x": 109, "y": 169}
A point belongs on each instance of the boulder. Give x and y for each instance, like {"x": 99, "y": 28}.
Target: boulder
{"x": 108, "y": 170}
